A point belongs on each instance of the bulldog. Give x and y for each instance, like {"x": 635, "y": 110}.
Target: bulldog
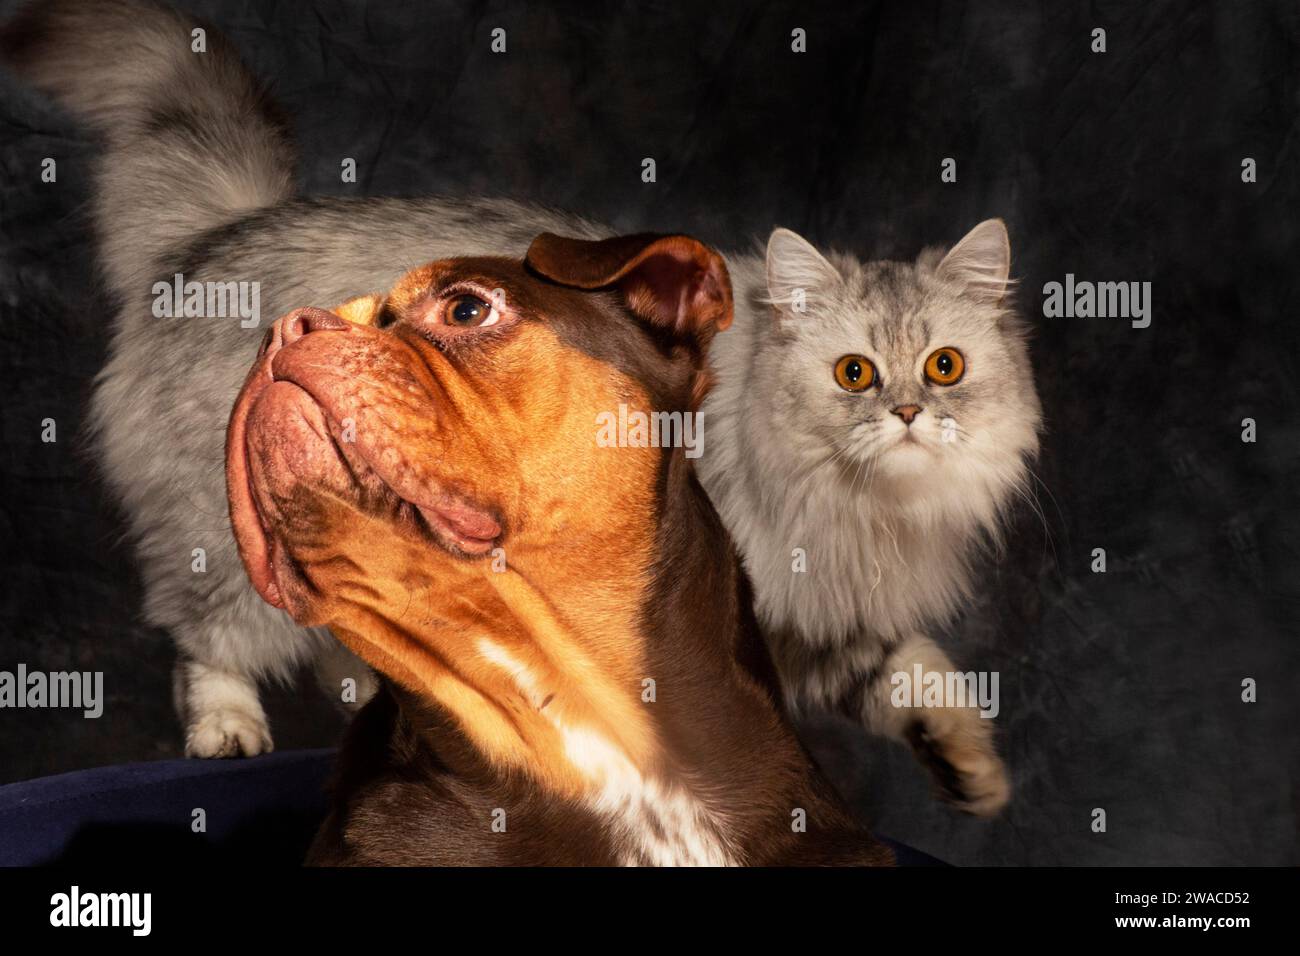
{"x": 571, "y": 670}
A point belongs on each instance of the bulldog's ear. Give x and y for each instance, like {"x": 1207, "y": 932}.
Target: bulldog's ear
{"x": 363, "y": 310}
{"x": 675, "y": 282}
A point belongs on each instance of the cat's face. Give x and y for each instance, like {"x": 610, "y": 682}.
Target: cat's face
{"x": 912, "y": 377}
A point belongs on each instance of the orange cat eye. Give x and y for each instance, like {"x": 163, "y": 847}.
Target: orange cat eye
{"x": 855, "y": 373}
{"x": 945, "y": 366}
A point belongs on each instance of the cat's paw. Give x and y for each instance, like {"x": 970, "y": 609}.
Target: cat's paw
{"x": 228, "y": 733}
{"x": 983, "y": 788}
{"x": 966, "y": 771}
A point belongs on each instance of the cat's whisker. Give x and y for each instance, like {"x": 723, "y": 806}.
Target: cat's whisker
{"x": 963, "y": 434}
{"x": 867, "y": 462}
{"x": 817, "y": 468}
{"x": 1042, "y": 484}
{"x": 1025, "y": 492}
{"x": 1029, "y": 494}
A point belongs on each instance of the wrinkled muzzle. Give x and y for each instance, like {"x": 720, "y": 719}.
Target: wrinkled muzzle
{"x": 334, "y": 422}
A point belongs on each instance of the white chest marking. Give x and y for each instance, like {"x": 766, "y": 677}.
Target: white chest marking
{"x": 653, "y": 822}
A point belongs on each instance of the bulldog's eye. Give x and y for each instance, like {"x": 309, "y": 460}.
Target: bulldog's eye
{"x": 855, "y": 373}
{"x": 945, "y": 366}
{"x": 469, "y": 311}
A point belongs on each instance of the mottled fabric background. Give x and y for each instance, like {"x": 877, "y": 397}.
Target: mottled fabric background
{"x": 1119, "y": 690}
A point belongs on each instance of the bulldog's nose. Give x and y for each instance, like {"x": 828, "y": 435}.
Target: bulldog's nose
{"x": 303, "y": 321}
{"x": 906, "y": 412}
{"x": 290, "y": 328}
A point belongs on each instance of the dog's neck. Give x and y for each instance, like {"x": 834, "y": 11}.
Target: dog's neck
{"x": 681, "y": 750}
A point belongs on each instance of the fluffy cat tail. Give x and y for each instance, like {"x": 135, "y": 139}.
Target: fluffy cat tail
{"x": 192, "y": 142}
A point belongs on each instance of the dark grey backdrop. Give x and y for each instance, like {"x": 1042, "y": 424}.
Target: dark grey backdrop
{"x": 1119, "y": 691}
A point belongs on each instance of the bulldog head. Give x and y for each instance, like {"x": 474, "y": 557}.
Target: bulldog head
{"x": 422, "y": 473}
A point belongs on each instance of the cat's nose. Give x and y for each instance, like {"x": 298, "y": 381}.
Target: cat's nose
{"x": 907, "y": 412}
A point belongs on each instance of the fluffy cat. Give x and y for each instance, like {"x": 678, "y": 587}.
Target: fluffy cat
{"x": 880, "y": 416}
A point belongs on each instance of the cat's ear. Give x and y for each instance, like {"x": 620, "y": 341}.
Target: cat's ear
{"x": 796, "y": 271}
{"x": 981, "y": 262}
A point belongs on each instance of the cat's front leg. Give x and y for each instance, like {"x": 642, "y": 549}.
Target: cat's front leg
{"x": 221, "y": 710}
{"x": 944, "y": 727}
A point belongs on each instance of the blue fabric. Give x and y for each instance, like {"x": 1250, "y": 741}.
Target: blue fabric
{"x": 263, "y": 810}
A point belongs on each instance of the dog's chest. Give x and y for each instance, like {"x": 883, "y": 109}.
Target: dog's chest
{"x": 649, "y": 822}
{"x": 650, "y": 825}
